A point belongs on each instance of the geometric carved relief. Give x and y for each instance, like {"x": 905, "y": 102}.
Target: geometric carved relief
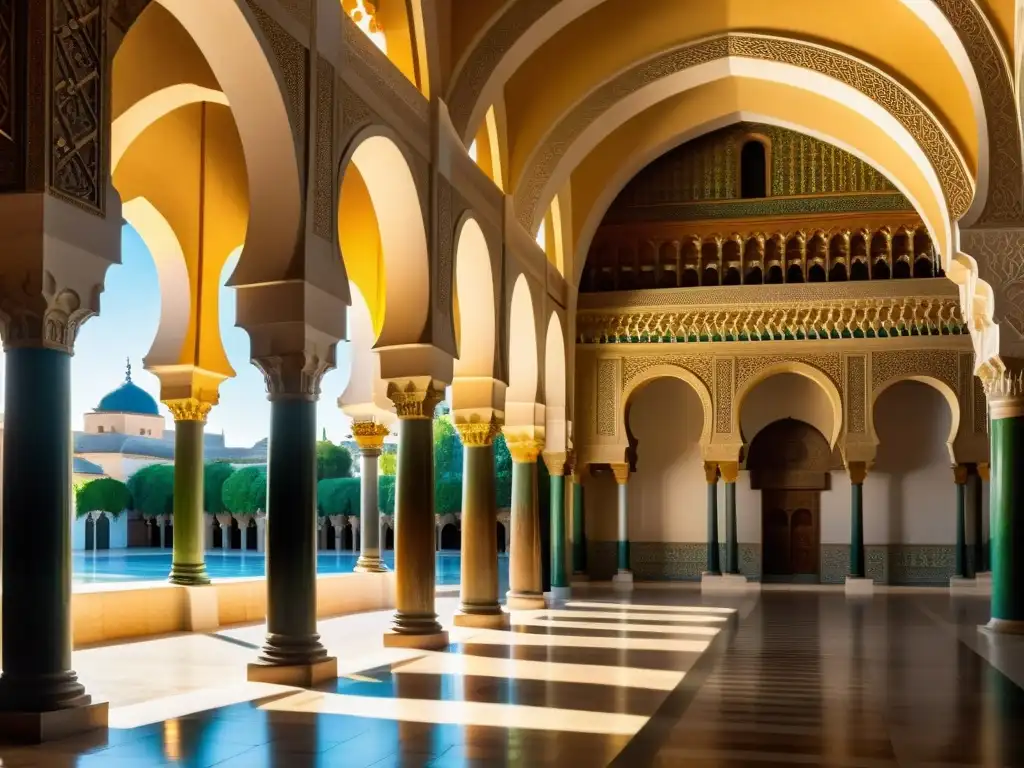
{"x": 291, "y": 58}
{"x": 856, "y": 395}
{"x": 1000, "y": 257}
{"x": 940, "y": 364}
{"x": 323, "y": 200}
{"x": 830, "y": 365}
{"x": 723, "y": 395}
{"x": 698, "y": 365}
{"x": 980, "y": 406}
{"x": 445, "y": 244}
{"x": 606, "y": 398}
{"x": 12, "y": 136}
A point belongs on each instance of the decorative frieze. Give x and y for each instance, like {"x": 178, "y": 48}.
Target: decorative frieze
{"x": 606, "y": 397}
{"x": 939, "y": 364}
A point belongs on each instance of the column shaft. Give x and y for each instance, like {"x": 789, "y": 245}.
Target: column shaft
{"x": 1006, "y": 499}
{"x": 188, "y": 563}
{"x": 732, "y": 547}
{"x": 714, "y": 561}
{"x": 479, "y": 591}
{"x": 36, "y": 597}
{"x": 559, "y": 577}
{"x": 976, "y": 523}
{"x": 579, "y": 527}
{"x": 960, "y": 476}
{"x": 291, "y": 532}
{"x": 524, "y": 548}
{"x": 369, "y": 515}
{"x": 857, "y": 569}
{"x": 623, "y": 548}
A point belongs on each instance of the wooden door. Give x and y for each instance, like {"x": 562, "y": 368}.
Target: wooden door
{"x": 790, "y": 533}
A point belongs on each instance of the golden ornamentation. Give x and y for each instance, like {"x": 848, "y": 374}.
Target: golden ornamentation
{"x": 524, "y": 450}
{"x": 983, "y": 472}
{"x": 698, "y": 365}
{"x": 749, "y": 366}
{"x": 1004, "y": 388}
{"x": 621, "y": 473}
{"x": 413, "y": 400}
{"x": 369, "y": 436}
{"x": 960, "y": 474}
{"x": 478, "y": 433}
{"x": 189, "y": 409}
{"x": 294, "y": 376}
{"x": 555, "y": 462}
{"x": 723, "y": 395}
{"x": 856, "y": 394}
{"x": 605, "y": 397}
{"x": 943, "y": 155}
{"x": 940, "y": 364}
{"x": 792, "y": 320}
{"x": 858, "y": 472}
{"x": 730, "y": 470}
{"x": 711, "y": 472}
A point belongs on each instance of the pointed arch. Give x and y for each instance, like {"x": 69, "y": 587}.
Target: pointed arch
{"x": 555, "y": 393}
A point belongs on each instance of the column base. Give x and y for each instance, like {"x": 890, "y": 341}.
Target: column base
{"x": 623, "y": 581}
{"x": 433, "y": 641}
{"x": 962, "y": 584}
{"x": 859, "y": 585}
{"x": 579, "y": 578}
{"x": 498, "y": 620}
{"x": 726, "y": 582}
{"x": 1003, "y": 627}
{"x": 189, "y": 574}
{"x": 983, "y": 576}
{"x": 39, "y": 727}
{"x": 298, "y": 675}
{"x": 370, "y": 565}
{"x": 525, "y": 601}
{"x": 560, "y": 594}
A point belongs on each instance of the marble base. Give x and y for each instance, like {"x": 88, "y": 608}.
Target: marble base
{"x": 560, "y": 593}
{"x": 482, "y": 620}
{"x": 983, "y": 577}
{"x": 726, "y": 582}
{"x": 1003, "y": 627}
{"x": 525, "y": 602}
{"x": 432, "y": 642}
{"x": 623, "y": 581}
{"x": 39, "y": 727}
{"x": 962, "y": 584}
{"x": 298, "y": 675}
{"x": 859, "y": 586}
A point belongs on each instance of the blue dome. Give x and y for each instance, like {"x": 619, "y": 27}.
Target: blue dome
{"x": 128, "y": 398}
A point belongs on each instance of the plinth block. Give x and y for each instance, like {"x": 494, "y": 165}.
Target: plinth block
{"x": 560, "y": 594}
{"x": 525, "y": 602}
{"x": 623, "y": 581}
{"x": 726, "y": 582}
{"x": 298, "y": 675}
{"x": 962, "y": 584}
{"x": 39, "y": 727}
{"x": 434, "y": 641}
{"x": 482, "y": 620}
{"x": 1003, "y": 627}
{"x": 859, "y": 586}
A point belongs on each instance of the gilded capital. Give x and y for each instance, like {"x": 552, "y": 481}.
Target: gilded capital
{"x": 960, "y": 474}
{"x": 369, "y": 436}
{"x": 858, "y": 472}
{"x": 478, "y": 433}
{"x": 189, "y": 409}
{"x": 555, "y": 462}
{"x": 415, "y": 399}
{"x": 711, "y": 472}
{"x": 524, "y": 451}
{"x": 295, "y": 376}
{"x": 730, "y": 470}
{"x": 983, "y": 472}
{"x": 1004, "y": 388}
{"x": 621, "y": 473}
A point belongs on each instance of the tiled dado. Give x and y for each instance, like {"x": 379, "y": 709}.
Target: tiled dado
{"x": 900, "y": 564}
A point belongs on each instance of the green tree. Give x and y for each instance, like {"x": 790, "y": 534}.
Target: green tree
{"x": 105, "y": 494}
{"x": 447, "y": 450}
{"x": 215, "y": 474}
{"x": 245, "y": 492}
{"x": 152, "y": 490}
{"x": 448, "y": 496}
{"x": 386, "y": 494}
{"x": 387, "y": 465}
{"x": 502, "y": 472}
{"x": 332, "y": 460}
{"x": 338, "y": 496}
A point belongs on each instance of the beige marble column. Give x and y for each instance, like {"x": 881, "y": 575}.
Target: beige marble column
{"x": 369, "y": 435}
{"x": 524, "y": 567}
{"x": 478, "y": 605}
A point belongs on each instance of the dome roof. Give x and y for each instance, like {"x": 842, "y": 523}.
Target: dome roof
{"x": 128, "y": 398}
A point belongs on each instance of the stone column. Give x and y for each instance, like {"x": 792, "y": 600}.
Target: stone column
{"x": 369, "y": 435}
{"x": 857, "y": 581}
{"x": 560, "y": 589}
{"x": 730, "y": 471}
{"x": 292, "y": 653}
{"x": 714, "y": 562}
{"x": 984, "y": 544}
{"x": 188, "y": 561}
{"x": 161, "y": 521}
{"x": 524, "y": 569}
{"x": 261, "y": 532}
{"x": 224, "y": 521}
{"x": 415, "y": 624}
{"x": 579, "y": 526}
{"x": 478, "y": 604}
{"x": 960, "y": 554}
{"x": 623, "y": 579}
{"x": 1006, "y": 499}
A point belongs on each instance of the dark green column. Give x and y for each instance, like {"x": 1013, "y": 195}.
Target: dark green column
{"x": 714, "y": 561}
{"x": 36, "y": 601}
{"x": 978, "y": 517}
{"x": 858, "y": 474}
{"x": 556, "y": 471}
{"x": 188, "y": 561}
{"x": 730, "y": 472}
{"x": 579, "y": 527}
{"x": 1006, "y": 504}
{"x": 960, "y": 478}
{"x": 292, "y": 639}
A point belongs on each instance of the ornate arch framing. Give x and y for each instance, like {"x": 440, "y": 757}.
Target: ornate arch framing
{"x": 938, "y": 147}
{"x": 668, "y": 370}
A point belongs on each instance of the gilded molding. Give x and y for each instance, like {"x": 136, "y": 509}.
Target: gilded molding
{"x": 415, "y": 400}
{"x": 524, "y": 450}
{"x": 730, "y": 470}
{"x": 369, "y": 436}
{"x": 478, "y": 433}
{"x": 555, "y": 462}
{"x": 621, "y": 473}
{"x": 858, "y": 472}
{"x": 943, "y": 155}
{"x": 189, "y": 409}
{"x": 711, "y": 472}
{"x": 821, "y": 320}
{"x": 294, "y": 376}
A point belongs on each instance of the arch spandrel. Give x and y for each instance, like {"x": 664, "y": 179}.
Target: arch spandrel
{"x": 645, "y": 375}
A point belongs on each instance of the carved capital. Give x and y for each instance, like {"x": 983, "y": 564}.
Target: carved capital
{"x": 858, "y": 472}
{"x": 621, "y": 473}
{"x": 730, "y": 470}
{"x": 555, "y": 462}
{"x": 46, "y": 316}
{"x": 525, "y": 451}
{"x": 369, "y": 436}
{"x": 711, "y": 472}
{"x": 983, "y": 472}
{"x": 478, "y": 433}
{"x": 189, "y": 409}
{"x": 295, "y": 376}
{"x": 960, "y": 474}
{"x": 415, "y": 398}
{"x": 1003, "y": 379}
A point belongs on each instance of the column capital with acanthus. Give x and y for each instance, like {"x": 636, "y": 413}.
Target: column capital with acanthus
{"x": 479, "y": 433}
{"x": 858, "y": 472}
{"x": 621, "y": 473}
{"x": 189, "y": 409}
{"x": 711, "y": 472}
{"x": 415, "y": 397}
{"x": 730, "y": 470}
{"x": 555, "y": 462}
{"x": 960, "y": 473}
{"x": 1003, "y": 379}
{"x": 295, "y": 375}
{"x": 983, "y": 471}
{"x": 369, "y": 436}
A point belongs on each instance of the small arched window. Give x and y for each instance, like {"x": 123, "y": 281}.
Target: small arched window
{"x": 753, "y": 170}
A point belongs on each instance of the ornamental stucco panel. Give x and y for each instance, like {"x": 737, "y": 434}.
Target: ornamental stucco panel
{"x": 856, "y": 395}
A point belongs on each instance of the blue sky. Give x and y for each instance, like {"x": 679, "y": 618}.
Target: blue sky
{"x": 126, "y": 327}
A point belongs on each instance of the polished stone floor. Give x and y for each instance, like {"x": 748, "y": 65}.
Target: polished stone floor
{"x": 665, "y": 677}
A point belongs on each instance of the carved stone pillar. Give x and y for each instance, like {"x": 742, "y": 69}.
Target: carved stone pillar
{"x": 369, "y": 435}
{"x": 224, "y": 521}
{"x": 560, "y": 589}
{"x": 983, "y": 510}
{"x": 478, "y": 604}
{"x": 714, "y": 560}
{"x": 415, "y": 624}
{"x": 623, "y": 579}
{"x": 730, "y": 472}
{"x": 857, "y": 582}
{"x": 524, "y": 568}
{"x": 960, "y": 474}
{"x": 292, "y": 653}
{"x": 188, "y": 563}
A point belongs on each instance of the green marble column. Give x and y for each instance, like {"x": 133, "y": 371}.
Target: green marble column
{"x": 960, "y": 559}
{"x": 37, "y": 498}
{"x": 983, "y": 510}
{"x": 730, "y": 472}
{"x": 1006, "y": 500}
{"x": 188, "y": 561}
{"x": 559, "y": 577}
{"x": 714, "y": 560}
{"x": 858, "y": 474}
{"x": 977, "y": 548}
{"x": 524, "y": 565}
{"x": 579, "y": 527}
{"x": 621, "y": 472}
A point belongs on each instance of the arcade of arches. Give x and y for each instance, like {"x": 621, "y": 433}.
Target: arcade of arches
{"x": 767, "y": 284}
